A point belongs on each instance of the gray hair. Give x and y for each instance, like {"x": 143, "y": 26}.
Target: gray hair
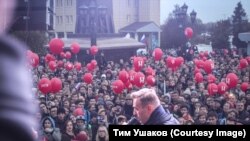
{"x": 146, "y": 96}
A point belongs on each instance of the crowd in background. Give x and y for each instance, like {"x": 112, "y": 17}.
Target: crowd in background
{"x": 190, "y": 102}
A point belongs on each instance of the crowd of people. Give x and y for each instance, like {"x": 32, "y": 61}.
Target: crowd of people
{"x": 83, "y": 111}
{"x": 179, "y": 94}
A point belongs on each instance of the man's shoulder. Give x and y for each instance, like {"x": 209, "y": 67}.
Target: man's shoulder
{"x": 171, "y": 121}
{"x": 10, "y": 46}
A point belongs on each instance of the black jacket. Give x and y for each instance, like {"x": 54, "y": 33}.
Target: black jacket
{"x": 161, "y": 117}
{"x": 16, "y": 108}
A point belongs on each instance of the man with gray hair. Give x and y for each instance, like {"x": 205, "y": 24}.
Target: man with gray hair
{"x": 149, "y": 111}
{"x": 17, "y": 110}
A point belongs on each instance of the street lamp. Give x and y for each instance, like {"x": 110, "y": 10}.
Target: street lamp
{"x": 184, "y": 8}
{"x": 184, "y": 21}
{"x": 92, "y": 13}
{"x": 193, "y": 16}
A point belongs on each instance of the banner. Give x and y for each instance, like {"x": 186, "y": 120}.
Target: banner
{"x": 175, "y": 132}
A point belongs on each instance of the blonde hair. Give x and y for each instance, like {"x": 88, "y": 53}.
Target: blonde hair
{"x": 146, "y": 96}
{"x": 104, "y": 128}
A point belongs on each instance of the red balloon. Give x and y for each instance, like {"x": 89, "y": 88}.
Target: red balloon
{"x": 170, "y": 61}
{"x": 201, "y": 54}
{"x": 90, "y": 67}
{"x": 29, "y": 53}
{"x": 206, "y": 53}
{"x": 33, "y": 59}
{"x": 93, "y": 50}
{"x": 60, "y": 64}
{"x": 139, "y": 79}
{"x": 138, "y": 63}
{"x": 231, "y": 80}
{"x": 222, "y": 87}
{"x": 208, "y": 66}
{"x": 248, "y": 59}
{"x": 212, "y": 88}
{"x": 49, "y": 58}
{"x": 179, "y": 61}
{"x": 244, "y": 86}
{"x": 117, "y": 86}
{"x": 150, "y": 71}
{"x": 123, "y": 76}
{"x": 196, "y": 70}
{"x": 69, "y": 66}
{"x": 157, "y": 54}
{"x": 56, "y": 46}
{"x": 78, "y": 112}
{"x": 56, "y": 85}
{"x": 81, "y": 136}
{"x": 200, "y": 63}
{"x": 75, "y": 48}
{"x": 188, "y": 32}
{"x": 198, "y": 77}
{"x": 62, "y": 55}
{"x": 93, "y": 63}
{"x": 44, "y": 85}
{"x": 87, "y": 78}
{"x": 243, "y": 63}
{"x": 68, "y": 55}
{"x": 204, "y": 58}
{"x": 128, "y": 85}
{"x": 151, "y": 80}
{"x": 132, "y": 76}
{"x": 211, "y": 78}
{"x": 78, "y": 66}
{"x": 52, "y": 65}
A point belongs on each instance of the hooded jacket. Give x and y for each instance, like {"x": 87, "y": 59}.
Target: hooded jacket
{"x": 54, "y": 135}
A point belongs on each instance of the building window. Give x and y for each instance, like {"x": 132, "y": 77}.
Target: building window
{"x": 128, "y": 18}
{"x": 136, "y": 3}
{"x": 62, "y": 2}
{"x": 57, "y": 20}
{"x": 71, "y": 19}
{"x": 57, "y": 3}
{"x": 69, "y": 2}
{"x": 61, "y": 19}
{"x": 67, "y": 19}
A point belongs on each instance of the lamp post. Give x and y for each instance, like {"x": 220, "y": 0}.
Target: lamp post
{"x": 184, "y": 21}
{"x": 193, "y": 16}
{"x": 93, "y": 22}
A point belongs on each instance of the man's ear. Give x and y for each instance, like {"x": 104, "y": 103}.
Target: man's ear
{"x": 149, "y": 107}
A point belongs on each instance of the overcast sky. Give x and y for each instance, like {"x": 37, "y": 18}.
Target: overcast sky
{"x": 207, "y": 10}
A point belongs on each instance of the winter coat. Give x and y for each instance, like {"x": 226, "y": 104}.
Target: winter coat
{"x": 161, "y": 117}
{"x": 54, "y": 134}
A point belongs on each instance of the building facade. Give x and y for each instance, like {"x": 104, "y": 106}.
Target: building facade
{"x": 65, "y": 17}
{"x": 34, "y": 15}
{"x": 123, "y": 13}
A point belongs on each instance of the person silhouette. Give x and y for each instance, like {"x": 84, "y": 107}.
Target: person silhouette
{"x": 17, "y": 112}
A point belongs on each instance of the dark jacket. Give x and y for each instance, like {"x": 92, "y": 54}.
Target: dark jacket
{"x": 161, "y": 117}
{"x": 16, "y": 107}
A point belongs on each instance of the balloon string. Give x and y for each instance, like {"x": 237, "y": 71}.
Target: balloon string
{"x": 46, "y": 99}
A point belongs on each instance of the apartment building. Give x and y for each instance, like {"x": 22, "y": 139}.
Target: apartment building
{"x": 123, "y": 12}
